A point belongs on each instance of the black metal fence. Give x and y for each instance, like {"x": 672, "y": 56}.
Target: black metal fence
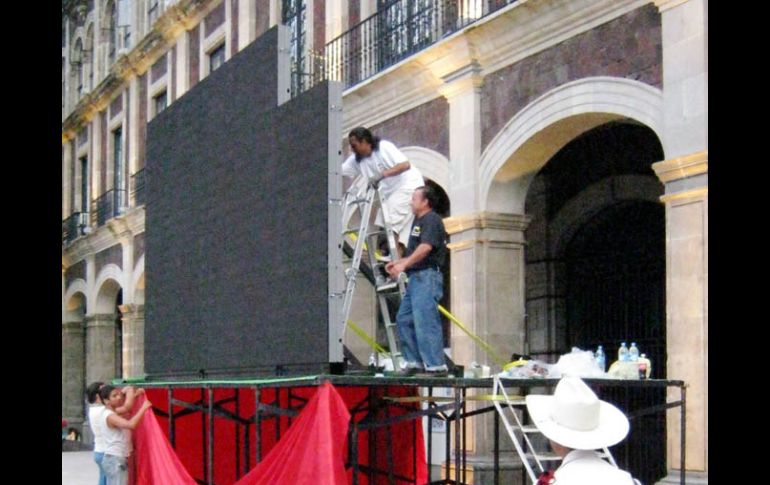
{"x": 110, "y": 204}
{"x": 398, "y": 30}
{"x": 73, "y": 227}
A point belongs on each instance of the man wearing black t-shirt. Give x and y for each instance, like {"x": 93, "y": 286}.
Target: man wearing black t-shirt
{"x": 418, "y": 321}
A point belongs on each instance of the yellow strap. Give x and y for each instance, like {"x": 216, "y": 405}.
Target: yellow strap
{"x": 366, "y": 338}
{"x": 475, "y": 337}
{"x": 354, "y": 237}
{"x": 477, "y": 397}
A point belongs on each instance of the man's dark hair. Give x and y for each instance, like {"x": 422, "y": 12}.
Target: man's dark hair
{"x": 363, "y": 134}
{"x": 104, "y": 392}
{"x": 430, "y": 194}
{"x": 93, "y": 390}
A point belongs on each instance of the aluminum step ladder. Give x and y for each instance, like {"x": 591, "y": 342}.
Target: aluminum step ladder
{"x": 365, "y": 237}
{"x": 513, "y": 412}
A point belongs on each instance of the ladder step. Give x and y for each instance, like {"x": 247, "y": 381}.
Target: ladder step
{"x": 527, "y": 428}
{"x": 543, "y": 457}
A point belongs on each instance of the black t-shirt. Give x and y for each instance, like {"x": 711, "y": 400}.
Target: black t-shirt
{"x": 428, "y": 229}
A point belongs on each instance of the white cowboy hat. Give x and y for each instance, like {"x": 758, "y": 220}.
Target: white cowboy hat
{"x": 574, "y": 417}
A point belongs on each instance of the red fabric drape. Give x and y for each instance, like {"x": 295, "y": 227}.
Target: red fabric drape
{"x": 154, "y": 461}
{"x": 313, "y": 450}
{"x": 299, "y": 453}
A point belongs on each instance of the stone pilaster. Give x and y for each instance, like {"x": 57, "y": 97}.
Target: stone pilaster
{"x": 487, "y": 295}
{"x": 462, "y": 90}
{"x": 72, "y": 371}
{"x": 133, "y": 340}
{"x": 100, "y": 347}
{"x": 685, "y": 175}
{"x": 686, "y": 200}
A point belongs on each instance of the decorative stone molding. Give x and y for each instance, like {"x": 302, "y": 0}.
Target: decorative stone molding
{"x": 682, "y": 167}
{"x": 486, "y": 220}
{"x": 664, "y": 5}
{"x": 695, "y": 194}
{"x": 103, "y": 237}
{"x": 501, "y": 39}
{"x": 171, "y": 24}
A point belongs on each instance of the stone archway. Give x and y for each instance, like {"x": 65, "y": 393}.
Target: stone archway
{"x": 103, "y": 327}
{"x": 73, "y": 354}
{"x": 595, "y": 262}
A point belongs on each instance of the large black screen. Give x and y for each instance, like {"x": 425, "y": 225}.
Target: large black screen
{"x": 237, "y": 225}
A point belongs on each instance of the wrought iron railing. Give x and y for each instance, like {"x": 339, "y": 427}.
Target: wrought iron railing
{"x": 398, "y": 31}
{"x": 137, "y": 182}
{"x": 110, "y": 204}
{"x": 73, "y": 227}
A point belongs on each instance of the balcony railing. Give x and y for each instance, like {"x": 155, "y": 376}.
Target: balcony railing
{"x": 398, "y": 31}
{"x": 110, "y": 204}
{"x": 137, "y": 182}
{"x": 73, "y": 227}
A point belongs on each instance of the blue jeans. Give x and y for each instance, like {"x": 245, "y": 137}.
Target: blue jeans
{"x": 418, "y": 321}
{"x": 98, "y": 457}
{"x": 116, "y": 469}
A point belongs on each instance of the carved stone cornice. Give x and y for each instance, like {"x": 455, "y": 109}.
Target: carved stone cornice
{"x": 664, "y": 5}
{"x": 486, "y": 220}
{"x": 682, "y": 167}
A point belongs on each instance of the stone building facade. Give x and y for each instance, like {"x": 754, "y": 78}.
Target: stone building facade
{"x": 570, "y": 138}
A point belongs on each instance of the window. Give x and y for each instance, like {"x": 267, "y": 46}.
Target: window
{"x": 84, "y": 184}
{"x": 293, "y": 16}
{"x": 405, "y": 26}
{"x": 119, "y": 176}
{"x": 216, "y": 58}
{"x": 153, "y": 12}
{"x": 159, "y": 102}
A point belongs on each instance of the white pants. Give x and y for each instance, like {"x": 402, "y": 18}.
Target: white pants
{"x": 398, "y": 213}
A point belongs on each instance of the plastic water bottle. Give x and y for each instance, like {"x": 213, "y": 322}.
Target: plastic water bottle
{"x": 600, "y": 358}
{"x": 623, "y": 353}
{"x": 633, "y": 352}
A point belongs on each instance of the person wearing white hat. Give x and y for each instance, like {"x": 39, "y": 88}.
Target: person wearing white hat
{"x": 576, "y": 423}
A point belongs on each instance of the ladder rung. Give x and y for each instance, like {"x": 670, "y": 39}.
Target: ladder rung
{"x": 544, "y": 457}
{"x": 527, "y": 428}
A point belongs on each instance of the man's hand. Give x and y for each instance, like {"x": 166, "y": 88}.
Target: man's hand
{"x": 395, "y": 268}
{"x": 374, "y": 181}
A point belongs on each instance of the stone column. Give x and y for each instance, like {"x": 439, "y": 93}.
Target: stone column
{"x": 133, "y": 340}
{"x": 72, "y": 371}
{"x": 685, "y": 174}
{"x": 100, "y": 347}
{"x": 487, "y": 295}
{"x": 686, "y": 200}
{"x": 247, "y": 23}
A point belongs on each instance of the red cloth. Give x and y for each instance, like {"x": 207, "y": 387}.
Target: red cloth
{"x": 155, "y": 462}
{"x": 313, "y": 449}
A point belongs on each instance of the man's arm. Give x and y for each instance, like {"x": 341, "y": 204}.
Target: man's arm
{"x": 397, "y": 169}
{"x": 115, "y": 421}
{"x": 131, "y": 394}
{"x": 394, "y": 268}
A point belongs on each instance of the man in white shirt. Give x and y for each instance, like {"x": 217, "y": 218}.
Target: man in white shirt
{"x": 390, "y": 171}
{"x": 576, "y": 423}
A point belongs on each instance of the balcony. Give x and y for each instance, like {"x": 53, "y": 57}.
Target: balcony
{"x": 110, "y": 204}
{"x": 398, "y": 31}
{"x": 73, "y": 227}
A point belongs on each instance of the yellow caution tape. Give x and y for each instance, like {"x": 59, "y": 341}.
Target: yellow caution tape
{"x": 366, "y": 338}
{"x": 475, "y": 337}
{"x": 515, "y": 363}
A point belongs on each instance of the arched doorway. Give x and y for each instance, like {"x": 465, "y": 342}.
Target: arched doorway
{"x": 596, "y": 265}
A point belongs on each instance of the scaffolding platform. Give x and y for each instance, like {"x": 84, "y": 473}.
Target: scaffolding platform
{"x": 380, "y": 405}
